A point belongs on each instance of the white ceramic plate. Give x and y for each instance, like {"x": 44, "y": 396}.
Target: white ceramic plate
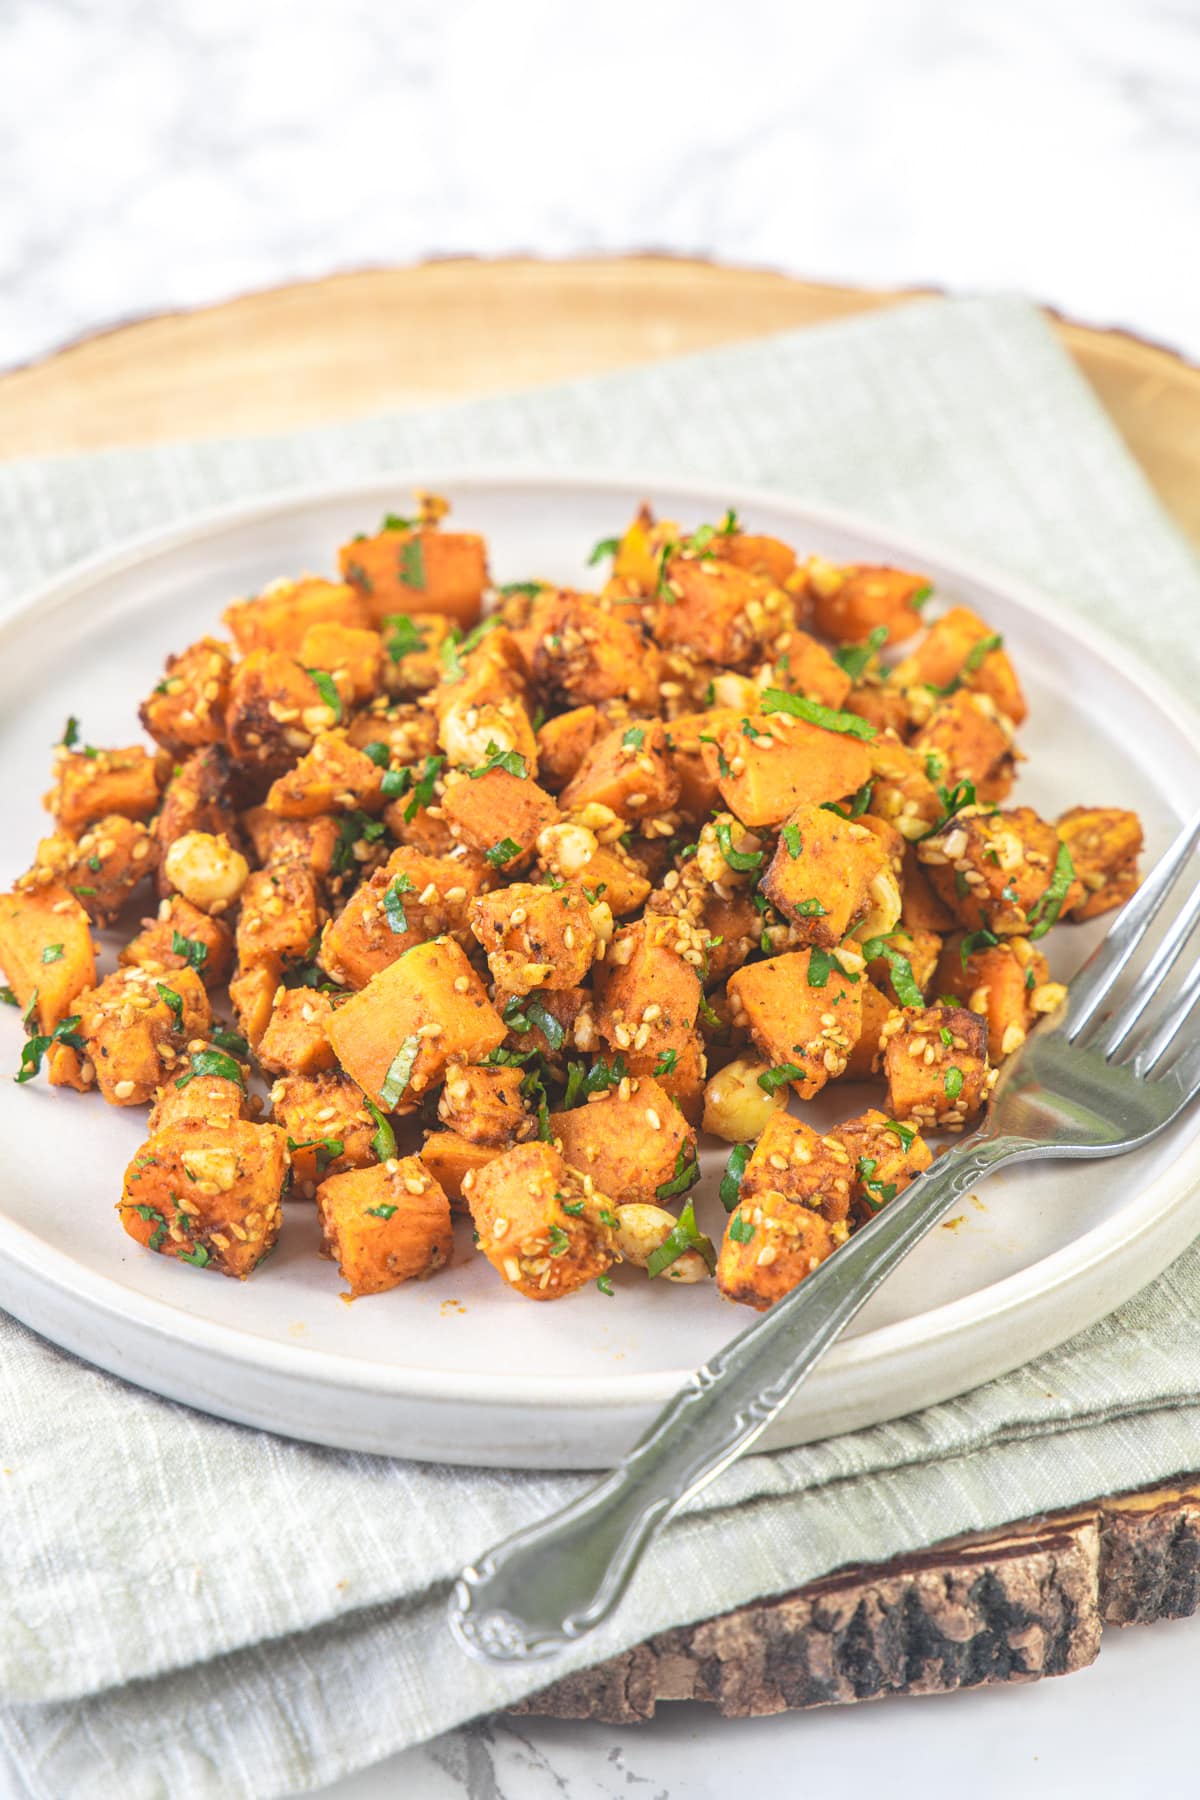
{"x": 458, "y": 1369}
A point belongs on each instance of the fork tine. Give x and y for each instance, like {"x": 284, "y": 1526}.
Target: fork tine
{"x": 1164, "y": 1033}
{"x": 1113, "y": 1034}
{"x": 1095, "y": 980}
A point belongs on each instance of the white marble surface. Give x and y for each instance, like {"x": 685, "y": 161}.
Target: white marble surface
{"x": 163, "y": 155}
{"x": 168, "y": 155}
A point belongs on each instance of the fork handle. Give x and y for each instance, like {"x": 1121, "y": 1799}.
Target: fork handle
{"x": 548, "y": 1585}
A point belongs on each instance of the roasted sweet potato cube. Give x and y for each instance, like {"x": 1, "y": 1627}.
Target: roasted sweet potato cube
{"x": 216, "y": 1099}
{"x": 484, "y": 1104}
{"x": 761, "y": 555}
{"x": 606, "y": 872}
{"x": 884, "y": 1157}
{"x": 699, "y": 794}
{"x": 628, "y": 770}
{"x": 499, "y": 814}
{"x": 877, "y": 1009}
{"x": 902, "y": 790}
{"x": 967, "y": 739}
{"x": 935, "y": 1061}
{"x": 1003, "y": 871}
{"x": 588, "y": 653}
{"x": 918, "y": 949}
{"x": 921, "y": 909}
{"x": 412, "y": 644}
{"x": 352, "y": 654}
{"x": 881, "y": 704}
{"x": 385, "y": 1225}
{"x": 803, "y": 666}
{"x": 680, "y": 1071}
{"x": 424, "y": 571}
{"x": 275, "y": 709}
{"x": 719, "y": 611}
{"x": 826, "y": 874}
{"x": 650, "y": 993}
{"x": 562, "y": 744}
{"x": 407, "y": 732}
{"x": 450, "y": 1158}
{"x": 46, "y": 950}
{"x": 959, "y": 650}
{"x": 182, "y": 937}
{"x": 252, "y": 995}
{"x": 187, "y": 708}
{"x": 541, "y": 1223}
{"x": 315, "y": 843}
{"x": 200, "y": 796}
{"x": 1007, "y": 983}
{"x": 632, "y": 1140}
{"x": 1105, "y": 843}
{"x": 804, "y": 1016}
{"x": 397, "y": 1035}
{"x": 791, "y": 1159}
{"x": 770, "y": 1245}
{"x": 296, "y": 1040}
{"x": 327, "y": 1124}
{"x": 102, "y": 868}
{"x": 332, "y": 777}
{"x": 849, "y": 603}
{"x": 279, "y": 617}
{"x": 535, "y": 937}
{"x": 387, "y": 915}
{"x": 638, "y": 559}
{"x": 280, "y": 919}
{"x": 137, "y": 1028}
{"x": 91, "y": 783}
{"x": 208, "y": 1193}
{"x": 769, "y": 763}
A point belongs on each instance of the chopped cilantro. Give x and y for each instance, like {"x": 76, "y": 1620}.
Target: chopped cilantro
{"x": 977, "y": 940}
{"x": 905, "y": 1133}
{"x": 604, "y": 1283}
{"x": 194, "y": 953}
{"x": 666, "y": 1062}
{"x": 776, "y": 700}
{"x": 903, "y": 979}
{"x": 173, "y": 1000}
{"x": 384, "y": 1141}
{"x": 399, "y": 1071}
{"x": 1046, "y": 910}
{"x": 953, "y": 1083}
{"x": 793, "y": 842}
{"x": 213, "y": 1062}
{"x": 743, "y": 861}
{"x": 327, "y": 688}
{"x": 855, "y": 659}
{"x": 731, "y": 1180}
{"x": 502, "y": 853}
{"x": 384, "y": 1211}
{"x": 686, "y": 1175}
{"x": 411, "y": 564}
{"x": 771, "y": 1080}
{"x": 740, "y": 1229}
{"x": 52, "y": 953}
{"x": 511, "y": 761}
{"x": 634, "y": 738}
{"x": 404, "y": 636}
{"x": 685, "y": 1236}
{"x": 607, "y": 547}
{"x": 393, "y": 903}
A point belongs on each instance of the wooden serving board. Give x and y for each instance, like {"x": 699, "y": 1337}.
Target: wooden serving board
{"x": 1013, "y": 1605}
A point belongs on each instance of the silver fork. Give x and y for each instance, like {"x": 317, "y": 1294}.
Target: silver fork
{"x": 1085, "y": 1083}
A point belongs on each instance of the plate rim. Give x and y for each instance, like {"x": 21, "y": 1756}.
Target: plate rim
{"x": 52, "y": 1268}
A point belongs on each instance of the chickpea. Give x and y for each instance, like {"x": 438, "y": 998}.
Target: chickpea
{"x": 736, "y": 691}
{"x": 884, "y": 913}
{"x": 206, "y": 870}
{"x": 735, "y": 1107}
{"x": 468, "y": 745}
{"x": 642, "y": 1229}
{"x": 710, "y": 858}
{"x": 567, "y": 848}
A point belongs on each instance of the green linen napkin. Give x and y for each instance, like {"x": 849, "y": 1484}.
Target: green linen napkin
{"x": 191, "y": 1608}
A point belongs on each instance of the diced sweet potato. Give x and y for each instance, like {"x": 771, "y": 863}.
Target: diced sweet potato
{"x": 182, "y": 937}
{"x": 413, "y": 898}
{"x": 968, "y": 739}
{"x": 997, "y": 870}
{"x": 208, "y": 1194}
{"x": 137, "y": 1027}
{"x": 920, "y": 907}
{"x": 650, "y": 991}
{"x": 252, "y": 996}
{"x": 589, "y": 653}
{"x": 327, "y": 1124}
{"x": 200, "y": 796}
{"x": 791, "y": 1159}
{"x": 385, "y": 1225}
{"x": 680, "y": 1071}
{"x": 849, "y": 603}
{"x": 351, "y": 654}
{"x": 1105, "y": 843}
{"x": 936, "y": 1065}
{"x": 275, "y": 709}
{"x": 315, "y": 843}
{"x": 397, "y": 1035}
{"x": 720, "y": 611}
{"x": 46, "y": 951}
{"x": 450, "y": 1158}
{"x": 903, "y": 791}
{"x": 499, "y": 814}
{"x": 279, "y": 617}
{"x": 535, "y": 937}
{"x": 768, "y": 764}
{"x": 629, "y": 771}
{"x": 959, "y": 650}
{"x": 332, "y": 777}
{"x": 424, "y": 571}
{"x": 484, "y": 1104}
{"x": 803, "y": 1016}
{"x": 631, "y": 1140}
{"x": 827, "y": 873}
{"x": 699, "y": 794}
{"x": 408, "y": 733}
{"x": 877, "y": 1009}
{"x": 412, "y": 643}
{"x": 102, "y": 868}
{"x": 296, "y": 1040}
{"x": 216, "y": 1099}
{"x": 90, "y": 783}
{"x": 562, "y": 744}
{"x": 187, "y": 708}
{"x": 541, "y": 1224}
{"x": 279, "y": 920}
{"x": 607, "y": 872}
{"x": 803, "y": 666}
{"x": 770, "y": 1245}
{"x": 885, "y": 1157}
{"x": 1007, "y": 983}
{"x": 761, "y": 555}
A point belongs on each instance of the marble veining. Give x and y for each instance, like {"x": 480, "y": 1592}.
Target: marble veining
{"x": 159, "y": 156}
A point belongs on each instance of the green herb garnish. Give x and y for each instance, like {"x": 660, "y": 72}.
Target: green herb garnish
{"x": 327, "y": 688}
{"x": 686, "y": 1175}
{"x": 776, "y": 700}
{"x": 213, "y": 1062}
{"x": 1046, "y": 910}
{"x": 743, "y": 861}
{"x": 399, "y": 1071}
{"x": 731, "y": 1180}
{"x": 685, "y": 1236}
